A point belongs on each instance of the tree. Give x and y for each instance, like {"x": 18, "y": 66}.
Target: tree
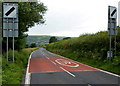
{"x": 52, "y": 39}
{"x": 27, "y": 46}
{"x": 66, "y": 38}
{"x": 33, "y": 45}
{"x": 29, "y": 14}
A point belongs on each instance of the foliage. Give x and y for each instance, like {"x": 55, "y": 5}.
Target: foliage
{"x": 12, "y": 73}
{"x": 52, "y": 39}
{"x": 33, "y": 45}
{"x": 66, "y": 38}
{"x": 90, "y": 49}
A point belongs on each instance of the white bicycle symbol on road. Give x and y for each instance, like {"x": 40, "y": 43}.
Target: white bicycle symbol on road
{"x": 67, "y": 63}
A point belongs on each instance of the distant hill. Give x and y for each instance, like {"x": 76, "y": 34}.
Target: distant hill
{"x": 40, "y": 40}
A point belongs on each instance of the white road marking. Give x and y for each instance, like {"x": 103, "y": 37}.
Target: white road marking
{"x": 60, "y": 67}
{"x": 93, "y": 67}
{"x": 53, "y": 62}
{"x": 66, "y": 63}
{"x": 48, "y": 58}
{"x": 89, "y": 85}
{"x": 28, "y": 75}
{"x": 110, "y": 73}
{"x": 100, "y": 70}
{"x": 67, "y": 72}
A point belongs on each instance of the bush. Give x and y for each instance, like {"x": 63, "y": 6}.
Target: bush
{"x": 33, "y": 45}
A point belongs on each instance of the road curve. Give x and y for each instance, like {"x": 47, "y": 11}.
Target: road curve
{"x": 45, "y": 67}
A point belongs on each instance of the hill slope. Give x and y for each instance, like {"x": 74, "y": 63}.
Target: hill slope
{"x": 40, "y": 40}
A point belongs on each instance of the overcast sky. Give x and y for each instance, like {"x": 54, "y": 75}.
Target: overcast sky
{"x": 74, "y": 17}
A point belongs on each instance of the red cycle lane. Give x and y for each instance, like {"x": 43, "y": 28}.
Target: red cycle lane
{"x": 53, "y": 64}
{"x": 42, "y": 65}
{"x": 71, "y": 65}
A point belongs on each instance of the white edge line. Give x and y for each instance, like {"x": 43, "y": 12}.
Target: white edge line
{"x": 27, "y": 77}
{"x": 94, "y": 68}
{"x": 104, "y": 71}
{"x": 110, "y": 73}
{"x": 100, "y": 70}
{"x": 67, "y": 72}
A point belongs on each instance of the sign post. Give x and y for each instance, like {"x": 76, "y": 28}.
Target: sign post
{"x": 10, "y": 22}
{"x": 112, "y": 24}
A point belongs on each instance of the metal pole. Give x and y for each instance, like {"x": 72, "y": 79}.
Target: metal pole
{"x": 115, "y": 45}
{"x": 7, "y": 49}
{"x": 110, "y": 41}
{"x": 13, "y": 40}
{"x": 110, "y": 48}
{"x": 7, "y": 37}
{"x": 13, "y": 50}
{"x": 115, "y": 39}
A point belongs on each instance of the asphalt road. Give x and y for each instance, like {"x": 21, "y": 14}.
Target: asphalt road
{"x": 47, "y": 68}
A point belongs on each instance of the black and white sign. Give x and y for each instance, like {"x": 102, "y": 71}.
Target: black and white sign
{"x": 112, "y": 20}
{"x": 10, "y": 20}
{"x": 112, "y": 12}
{"x": 10, "y": 11}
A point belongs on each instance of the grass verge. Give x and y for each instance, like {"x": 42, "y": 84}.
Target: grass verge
{"x": 12, "y": 73}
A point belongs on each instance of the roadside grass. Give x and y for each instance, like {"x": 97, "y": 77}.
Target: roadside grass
{"x": 12, "y": 73}
{"x": 0, "y": 69}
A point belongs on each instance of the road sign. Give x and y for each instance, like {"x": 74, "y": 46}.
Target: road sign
{"x": 10, "y": 20}
{"x": 119, "y": 13}
{"x": 10, "y": 27}
{"x": 10, "y": 33}
{"x": 112, "y": 20}
{"x": 10, "y": 11}
{"x": 112, "y": 12}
